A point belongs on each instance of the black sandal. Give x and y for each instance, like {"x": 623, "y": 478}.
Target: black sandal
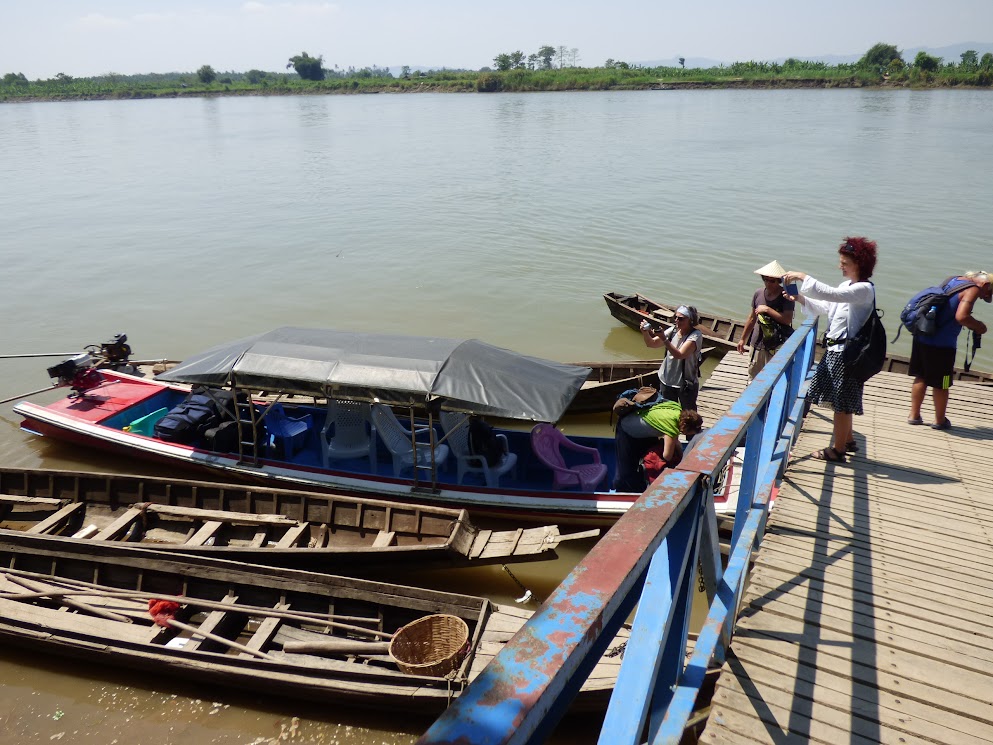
{"x": 851, "y": 446}
{"x": 829, "y": 454}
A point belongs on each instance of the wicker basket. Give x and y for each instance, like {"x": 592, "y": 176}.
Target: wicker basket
{"x": 433, "y": 645}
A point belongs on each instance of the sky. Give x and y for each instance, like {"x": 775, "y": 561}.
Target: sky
{"x": 82, "y": 38}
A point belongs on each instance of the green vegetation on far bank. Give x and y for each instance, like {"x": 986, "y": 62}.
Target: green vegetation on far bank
{"x": 882, "y": 65}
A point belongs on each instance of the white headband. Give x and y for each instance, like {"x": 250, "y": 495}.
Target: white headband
{"x": 684, "y": 311}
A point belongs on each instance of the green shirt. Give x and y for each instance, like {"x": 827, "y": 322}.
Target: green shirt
{"x": 664, "y": 417}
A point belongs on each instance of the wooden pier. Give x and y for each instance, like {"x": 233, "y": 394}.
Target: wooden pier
{"x": 722, "y": 387}
{"x": 869, "y": 612}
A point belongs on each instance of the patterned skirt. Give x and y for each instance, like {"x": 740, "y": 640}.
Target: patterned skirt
{"x": 831, "y": 386}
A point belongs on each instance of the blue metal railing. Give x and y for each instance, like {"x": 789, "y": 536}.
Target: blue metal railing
{"x": 647, "y": 559}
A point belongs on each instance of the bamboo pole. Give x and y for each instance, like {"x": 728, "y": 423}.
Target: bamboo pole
{"x": 219, "y": 639}
{"x": 337, "y": 647}
{"x": 77, "y": 604}
{"x": 30, "y": 393}
{"x": 302, "y": 617}
{"x": 39, "y": 354}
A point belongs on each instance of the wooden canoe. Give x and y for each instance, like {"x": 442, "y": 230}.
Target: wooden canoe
{"x": 249, "y": 627}
{"x": 279, "y": 527}
{"x": 725, "y": 332}
{"x": 631, "y": 310}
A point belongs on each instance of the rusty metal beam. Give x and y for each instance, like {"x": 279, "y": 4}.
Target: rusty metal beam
{"x": 528, "y": 686}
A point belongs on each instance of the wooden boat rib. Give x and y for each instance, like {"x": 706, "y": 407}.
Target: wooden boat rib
{"x": 722, "y": 332}
{"x": 243, "y": 627}
{"x": 257, "y": 524}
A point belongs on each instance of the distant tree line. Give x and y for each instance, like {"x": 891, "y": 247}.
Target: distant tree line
{"x": 546, "y": 58}
{"x": 549, "y": 68}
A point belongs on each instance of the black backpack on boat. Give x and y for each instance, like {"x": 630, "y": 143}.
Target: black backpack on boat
{"x": 202, "y": 409}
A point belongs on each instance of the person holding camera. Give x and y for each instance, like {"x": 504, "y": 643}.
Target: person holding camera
{"x": 770, "y": 322}
{"x": 680, "y": 370}
{"x": 847, "y": 307}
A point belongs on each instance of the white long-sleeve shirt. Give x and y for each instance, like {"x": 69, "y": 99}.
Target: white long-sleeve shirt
{"x": 847, "y": 306}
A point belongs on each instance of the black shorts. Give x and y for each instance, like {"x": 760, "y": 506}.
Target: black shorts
{"x": 934, "y": 364}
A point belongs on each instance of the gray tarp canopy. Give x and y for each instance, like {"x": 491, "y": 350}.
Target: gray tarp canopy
{"x": 463, "y": 375}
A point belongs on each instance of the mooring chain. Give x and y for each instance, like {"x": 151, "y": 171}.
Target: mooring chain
{"x": 618, "y": 650}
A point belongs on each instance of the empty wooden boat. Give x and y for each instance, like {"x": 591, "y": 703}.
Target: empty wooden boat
{"x": 279, "y": 527}
{"x": 281, "y": 631}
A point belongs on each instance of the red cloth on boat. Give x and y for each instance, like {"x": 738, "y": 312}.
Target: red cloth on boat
{"x": 162, "y": 611}
{"x": 653, "y": 463}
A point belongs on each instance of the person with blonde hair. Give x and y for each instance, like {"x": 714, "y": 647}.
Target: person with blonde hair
{"x": 932, "y": 358}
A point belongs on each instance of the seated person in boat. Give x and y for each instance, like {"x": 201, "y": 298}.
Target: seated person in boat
{"x": 640, "y": 430}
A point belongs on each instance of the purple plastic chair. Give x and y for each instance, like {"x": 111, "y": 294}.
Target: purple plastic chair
{"x": 547, "y": 443}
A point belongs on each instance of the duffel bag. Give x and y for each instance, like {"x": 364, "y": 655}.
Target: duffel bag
{"x": 186, "y": 424}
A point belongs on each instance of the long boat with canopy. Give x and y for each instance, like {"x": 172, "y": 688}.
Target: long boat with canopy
{"x": 335, "y": 410}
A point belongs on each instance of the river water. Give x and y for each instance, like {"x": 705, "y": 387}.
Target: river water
{"x": 185, "y": 223}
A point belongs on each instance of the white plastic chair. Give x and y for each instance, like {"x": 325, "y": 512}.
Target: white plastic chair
{"x": 398, "y": 440}
{"x": 346, "y": 433}
{"x": 456, "y": 428}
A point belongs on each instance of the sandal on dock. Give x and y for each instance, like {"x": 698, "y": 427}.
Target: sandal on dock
{"x": 851, "y": 446}
{"x": 829, "y": 454}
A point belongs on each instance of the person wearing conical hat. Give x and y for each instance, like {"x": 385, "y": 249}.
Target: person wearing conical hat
{"x": 771, "y": 321}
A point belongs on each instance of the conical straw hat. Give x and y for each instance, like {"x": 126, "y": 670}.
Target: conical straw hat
{"x": 772, "y": 269}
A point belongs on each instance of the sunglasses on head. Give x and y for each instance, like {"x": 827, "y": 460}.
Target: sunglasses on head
{"x": 848, "y": 248}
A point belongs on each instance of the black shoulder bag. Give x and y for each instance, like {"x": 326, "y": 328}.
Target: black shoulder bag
{"x": 865, "y": 353}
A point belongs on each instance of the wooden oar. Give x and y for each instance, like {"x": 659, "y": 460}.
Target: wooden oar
{"x": 40, "y": 587}
{"x": 302, "y": 617}
{"x": 219, "y": 639}
{"x": 343, "y": 647}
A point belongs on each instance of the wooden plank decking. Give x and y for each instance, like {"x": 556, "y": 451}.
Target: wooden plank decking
{"x": 869, "y": 612}
{"x": 723, "y": 387}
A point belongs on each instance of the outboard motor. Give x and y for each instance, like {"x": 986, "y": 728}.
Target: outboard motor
{"x": 78, "y": 373}
{"x": 116, "y": 352}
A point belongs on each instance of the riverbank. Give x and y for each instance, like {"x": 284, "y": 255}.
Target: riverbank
{"x": 121, "y": 95}
{"x": 752, "y": 76}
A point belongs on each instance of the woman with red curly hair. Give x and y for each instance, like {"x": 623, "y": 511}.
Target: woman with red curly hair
{"x": 847, "y": 307}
